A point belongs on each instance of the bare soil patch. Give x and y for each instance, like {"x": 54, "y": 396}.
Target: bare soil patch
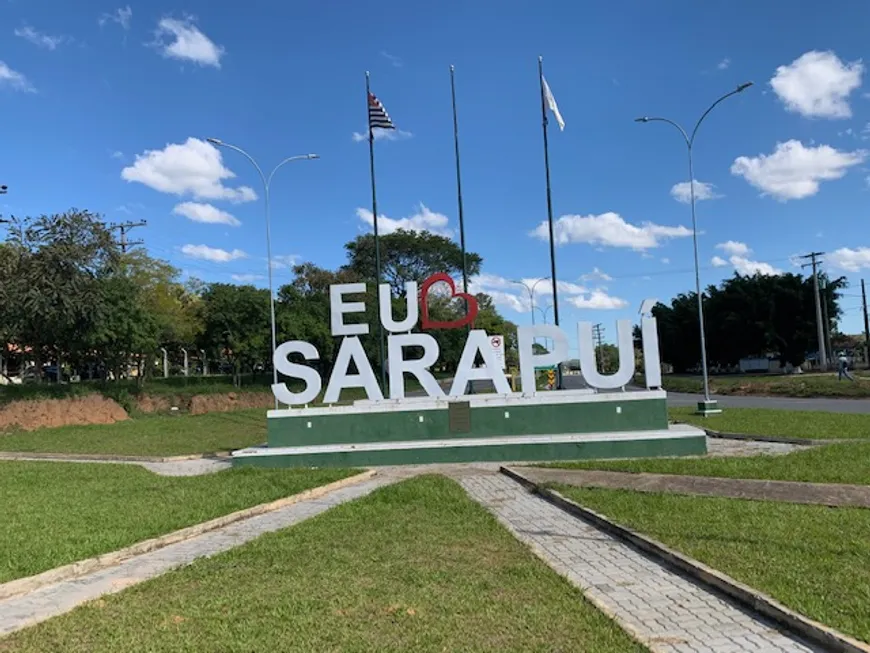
{"x": 48, "y": 413}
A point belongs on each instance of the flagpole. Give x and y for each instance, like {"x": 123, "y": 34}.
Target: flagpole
{"x": 377, "y": 242}
{"x": 549, "y": 208}
{"x": 459, "y": 189}
{"x": 459, "y": 201}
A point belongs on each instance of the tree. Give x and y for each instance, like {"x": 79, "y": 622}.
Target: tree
{"x": 54, "y": 294}
{"x": 236, "y": 325}
{"x": 746, "y": 316}
{"x": 408, "y": 256}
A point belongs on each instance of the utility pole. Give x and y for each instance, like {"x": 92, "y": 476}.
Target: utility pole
{"x": 598, "y": 339}
{"x": 124, "y": 227}
{"x": 823, "y": 290}
{"x": 866, "y": 325}
{"x": 823, "y": 357}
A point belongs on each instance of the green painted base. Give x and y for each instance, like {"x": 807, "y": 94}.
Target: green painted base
{"x": 478, "y": 416}
{"x": 706, "y": 408}
{"x": 678, "y": 440}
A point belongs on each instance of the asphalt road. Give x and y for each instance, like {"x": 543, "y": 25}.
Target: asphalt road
{"x": 827, "y": 405}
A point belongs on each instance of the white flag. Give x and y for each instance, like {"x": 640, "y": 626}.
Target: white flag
{"x": 551, "y": 103}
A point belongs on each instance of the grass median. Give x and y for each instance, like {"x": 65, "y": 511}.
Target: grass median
{"x": 813, "y": 559}
{"x": 781, "y": 385}
{"x": 813, "y": 425}
{"x": 415, "y": 566}
{"x": 832, "y": 463}
{"x": 163, "y": 435}
{"x": 57, "y": 513}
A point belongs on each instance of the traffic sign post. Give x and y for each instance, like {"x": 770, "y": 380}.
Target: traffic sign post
{"x": 497, "y": 344}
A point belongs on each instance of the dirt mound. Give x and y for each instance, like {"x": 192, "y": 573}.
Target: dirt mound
{"x": 47, "y": 413}
{"x": 221, "y": 403}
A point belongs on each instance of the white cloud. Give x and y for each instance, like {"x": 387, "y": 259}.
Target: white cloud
{"x": 739, "y": 258}
{"x": 117, "y": 154}
{"x": 734, "y": 248}
{"x": 395, "y": 61}
{"x": 703, "y": 191}
{"x": 598, "y": 299}
{"x": 596, "y": 274}
{"x": 214, "y": 254}
{"x": 181, "y": 39}
{"x": 850, "y": 260}
{"x": 722, "y": 65}
{"x": 817, "y": 85}
{"x": 794, "y": 171}
{"x": 422, "y": 220}
{"x": 281, "y": 261}
{"x": 246, "y": 278}
{"x": 381, "y": 135}
{"x": 122, "y": 16}
{"x": 666, "y": 261}
{"x": 194, "y": 167}
{"x": 748, "y": 267}
{"x": 512, "y": 295}
{"x": 14, "y": 80}
{"x": 610, "y": 230}
{"x": 205, "y": 213}
{"x": 40, "y": 39}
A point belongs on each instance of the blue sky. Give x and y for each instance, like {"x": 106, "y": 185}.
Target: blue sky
{"x": 100, "y": 102}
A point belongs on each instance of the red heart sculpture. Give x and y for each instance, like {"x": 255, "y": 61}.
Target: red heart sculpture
{"x": 424, "y": 304}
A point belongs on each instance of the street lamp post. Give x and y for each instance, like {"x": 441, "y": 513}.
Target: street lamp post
{"x": 708, "y": 406}
{"x": 531, "y": 291}
{"x": 267, "y": 182}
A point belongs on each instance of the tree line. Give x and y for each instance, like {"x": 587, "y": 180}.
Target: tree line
{"x": 748, "y": 316}
{"x": 69, "y": 296}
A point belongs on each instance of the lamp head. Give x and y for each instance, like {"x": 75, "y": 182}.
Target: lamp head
{"x": 313, "y": 156}
{"x": 743, "y": 87}
{"x": 642, "y": 119}
{"x": 215, "y": 141}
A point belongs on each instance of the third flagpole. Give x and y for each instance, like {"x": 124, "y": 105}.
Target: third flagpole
{"x": 549, "y": 206}
{"x": 459, "y": 200}
{"x": 377, "y": 239}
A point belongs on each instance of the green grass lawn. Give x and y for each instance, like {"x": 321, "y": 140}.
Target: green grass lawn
{"x": 792, "y": 423}
{"x": 153, "y": 435}
{"x": 413, "y": 567}
{"x": 792, "y": 385}
{"x": 56, "y": 513}
{"x": 833, "y": 463}
{"x": 811, "y": 558}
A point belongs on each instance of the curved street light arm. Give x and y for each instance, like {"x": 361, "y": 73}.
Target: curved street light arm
{"x": 249, "y": 158}
{"x": 670, "y": 122}
{"x": 298, "y": 157}
{"x": 737, "y": 90}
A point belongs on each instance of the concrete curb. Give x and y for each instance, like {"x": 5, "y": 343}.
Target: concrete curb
{"x": 781, "y": 438}
{"x": 85, "y": 457}
{"x": 745, "y": 596}
{"x": 91, "y": 565}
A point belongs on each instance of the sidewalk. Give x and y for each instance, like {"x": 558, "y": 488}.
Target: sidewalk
{"x": 662, "y": 609}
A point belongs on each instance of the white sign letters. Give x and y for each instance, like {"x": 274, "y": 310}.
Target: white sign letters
{"x": 478, "y": 343}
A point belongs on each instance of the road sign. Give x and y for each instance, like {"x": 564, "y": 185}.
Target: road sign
{"x": 551, "y": 379}
{"x": 497, "y": 344}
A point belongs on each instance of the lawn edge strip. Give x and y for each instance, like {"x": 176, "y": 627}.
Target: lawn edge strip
{"x": 745, "y": 596}
{"x": 784, "y": 439}
{"x": 100, "y": 457}
{"x": 80, "y": 568}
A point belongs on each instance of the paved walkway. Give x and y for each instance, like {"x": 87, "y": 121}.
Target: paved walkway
{"x": 669, "y": 613}
{"x": 828, "y": 405}
{"x": 826, "y": 494}
{"x": 22, "y": 611}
